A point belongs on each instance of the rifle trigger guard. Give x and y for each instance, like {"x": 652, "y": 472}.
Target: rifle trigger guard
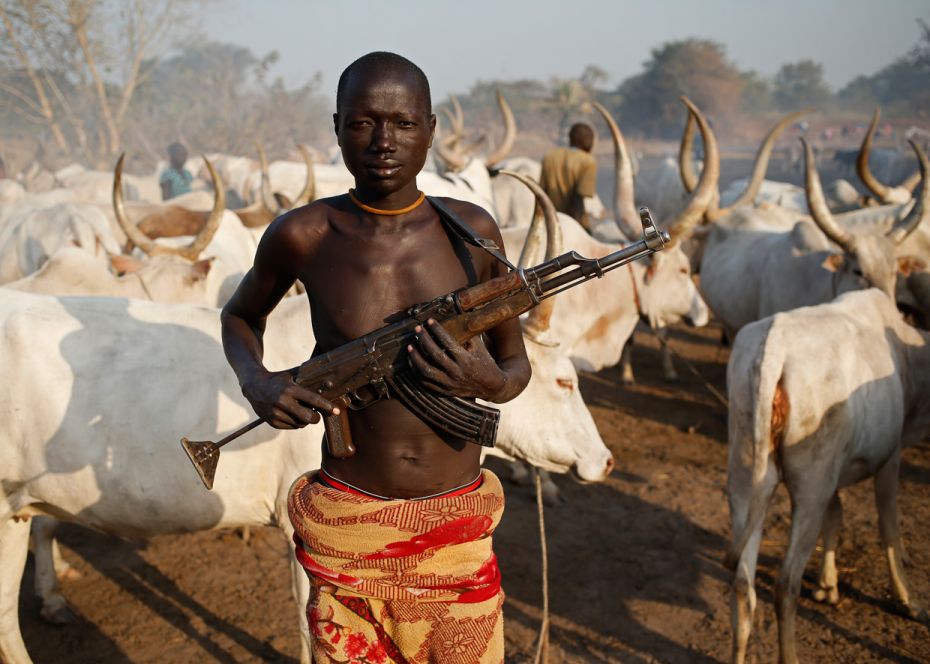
{"x": 529, "y": 289}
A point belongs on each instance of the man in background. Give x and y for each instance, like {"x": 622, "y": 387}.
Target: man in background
{"x": 569, "y": 175}
{"x": 175, "y": 180}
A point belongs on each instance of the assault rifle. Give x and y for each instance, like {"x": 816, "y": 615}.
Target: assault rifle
{"x": 375, "y": 366}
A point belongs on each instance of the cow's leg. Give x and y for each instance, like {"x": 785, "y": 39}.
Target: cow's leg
{"x": 47, "y": 559}
{"x": 807, "y": 511}
{"x": 747, "y": 510}
{"x": 886, "y": 500}
{"x": 551, "y": 494}
{"x": 519, "y": 472}
{"x": 668, "y": 367}
{"x": 14, "y": 545}
{"x": 300, "y": 585}
{"x": 626, "y": 363}
{"x": 827, "y": 590}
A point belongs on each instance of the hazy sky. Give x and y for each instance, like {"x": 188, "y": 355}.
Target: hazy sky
{"x": 459, "y": 42}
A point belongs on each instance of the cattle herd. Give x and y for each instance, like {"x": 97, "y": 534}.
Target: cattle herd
{"x": 111, "y": 345}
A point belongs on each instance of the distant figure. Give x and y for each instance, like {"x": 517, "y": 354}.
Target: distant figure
{"x": 175, "y": 180}
{"x": 569, "y": 175}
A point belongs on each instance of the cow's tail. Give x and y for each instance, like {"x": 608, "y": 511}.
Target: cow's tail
{"x": 763, "y": 409}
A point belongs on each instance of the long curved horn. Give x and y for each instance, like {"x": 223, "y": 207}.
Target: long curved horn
{"x": 899, "y": 194}
{"x": 817, "y": 203}
{"x": 309, "y": 190}
{"x": 454, "y": 139}
{"x": 459, "y": 125}
{"x": 265, "y": 195}
{"x": 703, "y": 195}
{"x": 203, "y": 238}
{"x": 537, "y": 323}
{"x": 627, "y": 217}
{"x": 921, "y": 208}
{"x": 453, "y": 160}
{"x": 862, "y": 162}
{"x": 912, "y": 181}
{"x": 136, "y": 236}
{"x": 761, "y": 164}
{"x": 685, "y": 162}
{"x": 510, "y": 133}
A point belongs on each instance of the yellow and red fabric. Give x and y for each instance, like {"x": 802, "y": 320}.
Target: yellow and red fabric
{"x": 400, "y": 581}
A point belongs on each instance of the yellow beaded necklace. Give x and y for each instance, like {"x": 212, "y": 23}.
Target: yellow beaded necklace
{"x": 386, "y": 213}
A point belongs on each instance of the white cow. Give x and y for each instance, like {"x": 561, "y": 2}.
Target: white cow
{"x": 30, "y": 236}
{"x": 748, "y": 274}
{"x": 820, "y": 398}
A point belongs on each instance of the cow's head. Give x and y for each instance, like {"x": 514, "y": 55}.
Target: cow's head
{"x": 549, "y": 425}
{"x": 668, "y": 294}
{"x": 868, "y": 260}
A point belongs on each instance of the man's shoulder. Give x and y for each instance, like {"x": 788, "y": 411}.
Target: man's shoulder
{"x": 479, "y": 219}
{"x": 303, "y": 226}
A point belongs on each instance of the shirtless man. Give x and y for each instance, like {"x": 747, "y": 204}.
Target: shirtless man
{"x": 363, "y": 258}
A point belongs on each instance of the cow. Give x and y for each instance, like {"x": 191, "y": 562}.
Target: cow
{"x": 748, "y": 274}
{"x": 820, "y": 398}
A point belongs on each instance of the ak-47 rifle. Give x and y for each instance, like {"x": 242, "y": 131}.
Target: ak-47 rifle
{"x": 375, "y": 365}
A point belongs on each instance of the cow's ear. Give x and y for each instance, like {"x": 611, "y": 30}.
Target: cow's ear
{"x": 650, "y": 270}
{"x": 834, "y": 262}
{"x": 909, "y": 264}
{"x": 201, "y": 268}
{"x": 123, "y": 264}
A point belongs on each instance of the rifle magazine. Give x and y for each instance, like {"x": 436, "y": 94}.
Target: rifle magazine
{"x": 458, "y": 417}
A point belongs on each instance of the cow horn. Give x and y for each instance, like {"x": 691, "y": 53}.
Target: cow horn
{"x": 459, "y": 125}
{"x": 921, "y": 207}
{"x": 886, "y": 194}
{"x": 454, "y": 139}
{"x": 761, "y": 164}
{"x": 627, "y": 217}
{"x": 136, "y": 236}
{"x": 308, "y": 192}
{"x": 703, "y": 194}
{"x": 537, "y": 323}
{"x": 210, "y": 226}
{"x": 267, "y": 198}
{"x": 510, "y": 133}
{"x": 685, "y": 163}
{"x": 820, "y": 211}
{"x": 453, "y": 160}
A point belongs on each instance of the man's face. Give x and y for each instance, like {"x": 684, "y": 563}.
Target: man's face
{"x": 384, "y": 129}
{"x": 178, "y": 156}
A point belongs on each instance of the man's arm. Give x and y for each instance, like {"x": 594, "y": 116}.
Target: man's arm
{"x": 274, "y": 396}
{"x": 496, "y": 373}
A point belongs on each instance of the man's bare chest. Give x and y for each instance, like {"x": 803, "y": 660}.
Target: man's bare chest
{"x": 357, "y": 284}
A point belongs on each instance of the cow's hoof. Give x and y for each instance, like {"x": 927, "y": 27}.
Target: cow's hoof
{"x": 69, "y": 574}
{"x": 829, "y": 595}
{"x": 672, "y": 379}
{"x": 61, "y": 615}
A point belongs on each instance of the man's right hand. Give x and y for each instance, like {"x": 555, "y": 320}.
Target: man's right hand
{"x": 284, "y": 404}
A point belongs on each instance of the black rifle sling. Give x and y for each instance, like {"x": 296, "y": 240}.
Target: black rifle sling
{"x": 456, "y": 416}
{"x": 466, "y": 234}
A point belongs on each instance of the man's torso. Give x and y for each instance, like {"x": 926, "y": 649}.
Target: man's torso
{"x": 566, "y": 177}
{"x": 359, "y": 271}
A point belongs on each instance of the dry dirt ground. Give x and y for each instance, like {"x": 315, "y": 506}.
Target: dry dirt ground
{"x": 634, "y": 562}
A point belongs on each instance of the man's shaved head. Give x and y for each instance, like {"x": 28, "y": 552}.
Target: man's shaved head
{"x": 581, "y": 136}
{"x": 385, "y": 62}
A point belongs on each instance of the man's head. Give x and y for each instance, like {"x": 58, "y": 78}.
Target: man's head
{"x": 384, "y": 121}
{"x": 177, "y": 154}
{"x": 581, "y": 136}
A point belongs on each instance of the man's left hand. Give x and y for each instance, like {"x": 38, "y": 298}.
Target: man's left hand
{"x": 450, "y": 368}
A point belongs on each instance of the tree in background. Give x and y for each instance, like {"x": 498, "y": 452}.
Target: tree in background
{"x": 697, "y": 68}
{"x": 801, "y": 84}
{"x": 73, "y": 66}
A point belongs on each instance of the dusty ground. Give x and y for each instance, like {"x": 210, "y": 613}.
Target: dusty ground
{"x": 634, "y": 562}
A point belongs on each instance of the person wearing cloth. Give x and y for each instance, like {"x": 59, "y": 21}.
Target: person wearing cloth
{"x": 569, "y": 175}
{"x": 396, "y": 539}
{"x": 175, "y": 180}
